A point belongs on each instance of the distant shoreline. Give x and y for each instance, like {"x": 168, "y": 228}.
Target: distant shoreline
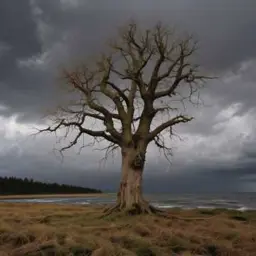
{"x": 3, "y": 197}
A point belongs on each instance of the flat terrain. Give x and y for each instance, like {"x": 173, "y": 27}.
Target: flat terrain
{"x": 52, "y": 196}
{"x": 43, "y": 229}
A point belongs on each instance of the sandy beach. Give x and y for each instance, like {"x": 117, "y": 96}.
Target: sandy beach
{"x": 2, "y": 197}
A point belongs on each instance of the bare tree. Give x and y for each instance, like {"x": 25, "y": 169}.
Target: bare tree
{"x": 143, "y": 77}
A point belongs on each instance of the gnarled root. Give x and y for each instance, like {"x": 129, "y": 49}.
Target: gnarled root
{"x": 145, "y": 208}
{"x": 140, "y": 208}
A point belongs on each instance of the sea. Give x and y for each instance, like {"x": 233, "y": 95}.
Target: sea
{"x": 238, "y": 201}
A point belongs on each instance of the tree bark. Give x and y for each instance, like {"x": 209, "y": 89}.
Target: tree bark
{"x": 130, "y": 190}
{"x": 129, "y": 198}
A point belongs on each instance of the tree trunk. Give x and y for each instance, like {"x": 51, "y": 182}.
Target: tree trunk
{"x": 130, "y": 191}
{"x": 129, "y": 197}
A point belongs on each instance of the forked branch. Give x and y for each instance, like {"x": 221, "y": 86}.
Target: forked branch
{"x": 176, "y": 120}
{"x": 158, "y": 70}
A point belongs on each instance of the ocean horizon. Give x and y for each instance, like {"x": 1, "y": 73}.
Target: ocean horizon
{"x": 236, "y": 201}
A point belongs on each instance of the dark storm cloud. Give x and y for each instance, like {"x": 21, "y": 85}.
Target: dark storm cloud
{"x": 62, "y": 35}
{"x": 17, "y": 30}
{"x": 225, "y": 29}
{"x": 38, "y": 37}
{"x": 216, "y": 180}
{"x": 226, "y": 32}
{"x": 35, "y": 159}
{"x": 249, "y": 149}
{"x": 18, "y": 33}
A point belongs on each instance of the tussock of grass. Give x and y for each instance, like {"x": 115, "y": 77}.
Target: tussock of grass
{"x": 35, "y": 229}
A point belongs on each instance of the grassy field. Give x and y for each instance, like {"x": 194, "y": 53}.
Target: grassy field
{"x": 40, "y": 229}
{"x": 53, "y": 196}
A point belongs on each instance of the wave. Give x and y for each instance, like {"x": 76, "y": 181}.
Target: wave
{"x": 167, "y": 206}
{"x": 244, "y": 208}
{"x": 45, "y": 200}
{"x": 239, "y": 204}
{"x": 205, "y": 207}
{"x": 83, "y": 203}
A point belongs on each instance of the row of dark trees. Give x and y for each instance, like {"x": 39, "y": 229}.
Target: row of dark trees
{"x": 16, "y": 186}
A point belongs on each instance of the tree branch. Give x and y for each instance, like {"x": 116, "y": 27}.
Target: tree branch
{"x": 163, "y": 126}
{"x": 85, "y": 85}
{"x": 64, "y": 124}
{"x": 132, "y": 106}
{"x": 83, "y": 112}
{"x": 188, "y": 78}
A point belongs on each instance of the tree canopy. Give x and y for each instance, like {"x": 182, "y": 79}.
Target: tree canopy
{"x": 129, "y": 97}
{"x": 142, "y": 77}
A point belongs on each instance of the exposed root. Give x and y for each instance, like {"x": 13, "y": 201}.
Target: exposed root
{"x": 137, "y": 209}
{"x": 146, "y": 208}
{"x": 110, "y": 210}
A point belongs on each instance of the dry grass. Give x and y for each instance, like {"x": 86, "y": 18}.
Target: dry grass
{"x": 36, "y": 229}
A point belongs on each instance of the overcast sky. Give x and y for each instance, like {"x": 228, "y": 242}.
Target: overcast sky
{"x": 218, "y": 149}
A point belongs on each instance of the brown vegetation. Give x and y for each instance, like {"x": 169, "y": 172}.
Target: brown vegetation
{"x": 37, "y": 229}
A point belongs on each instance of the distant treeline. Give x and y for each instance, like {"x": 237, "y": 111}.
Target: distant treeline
{"x": 17, "y": 186}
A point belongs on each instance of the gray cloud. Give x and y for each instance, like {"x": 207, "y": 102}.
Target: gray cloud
{"x": 108, "y": 179}
{"x": 47, "y": 34}
{"x": 29, "y": 157}
{"x": 18, "y": 33}
{"x": 37, "y": 37}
